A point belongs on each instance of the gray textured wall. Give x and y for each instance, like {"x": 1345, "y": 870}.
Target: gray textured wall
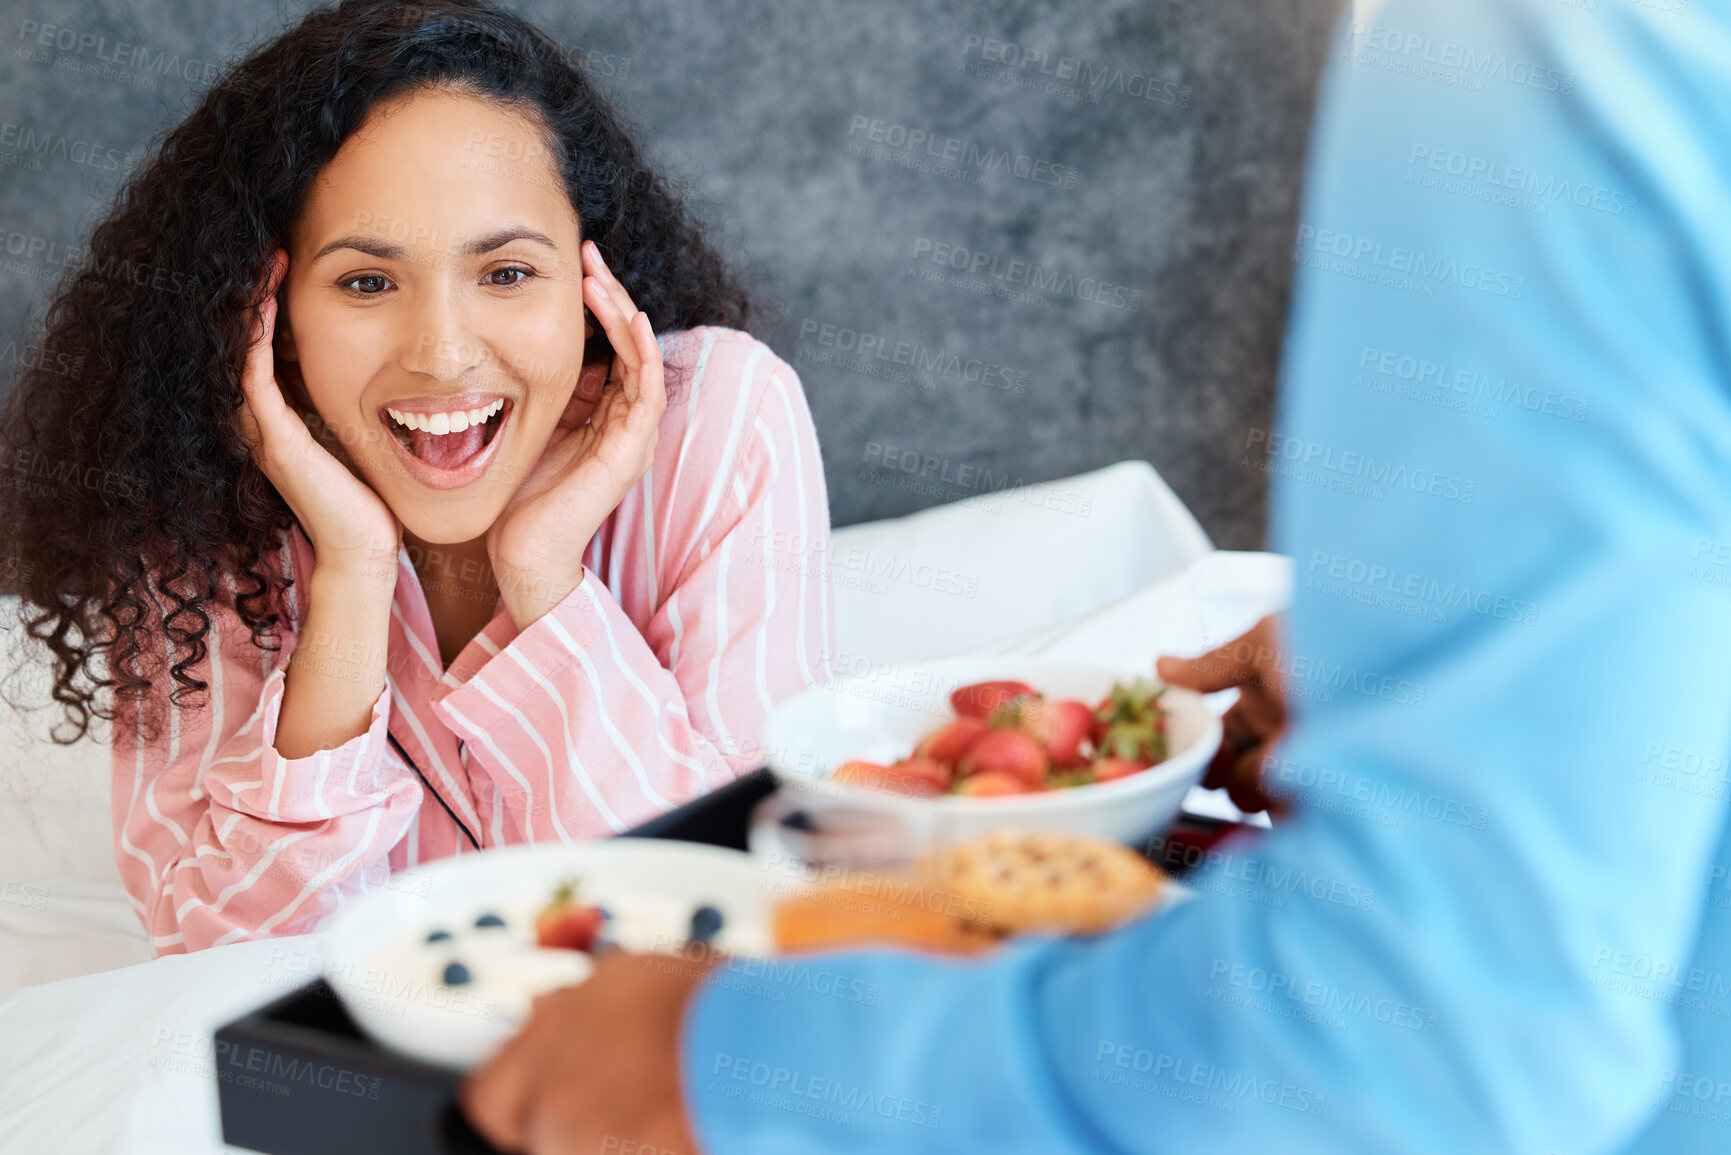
{"x": 1120, "y": 180}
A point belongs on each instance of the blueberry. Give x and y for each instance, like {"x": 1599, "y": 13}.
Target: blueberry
{"x": 489, "y": 920}
{"x": 456, "y": 975}
{"x": 439, "y": 936}
{"x": 606, "y": 915}
{"x": 705, "y": 922}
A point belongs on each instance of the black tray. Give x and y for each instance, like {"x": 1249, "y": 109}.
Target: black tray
{"x": 297, "y": 1077}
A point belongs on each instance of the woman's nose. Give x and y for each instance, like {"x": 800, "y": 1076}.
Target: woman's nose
{"x": 440, "y": 338}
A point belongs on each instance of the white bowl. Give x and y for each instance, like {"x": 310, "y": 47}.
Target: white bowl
{"x": 459, "y": 1028}
{"x": 878, "y": 716}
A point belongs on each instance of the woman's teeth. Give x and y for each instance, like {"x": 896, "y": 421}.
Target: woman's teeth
{"x": 440, "y": 423}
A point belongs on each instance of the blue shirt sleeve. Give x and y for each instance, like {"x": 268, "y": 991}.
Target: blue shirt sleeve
{"x": 1503, "y": 469}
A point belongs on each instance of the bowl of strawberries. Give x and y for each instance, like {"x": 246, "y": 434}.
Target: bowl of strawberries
{"x": 955, "y": 749}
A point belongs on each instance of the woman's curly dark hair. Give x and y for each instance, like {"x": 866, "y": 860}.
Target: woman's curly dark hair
{"x": 136, "y": 506}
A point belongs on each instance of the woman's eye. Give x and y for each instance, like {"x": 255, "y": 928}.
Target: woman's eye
{"x": 518, "y": 277}
{"x": 376, "y": 284}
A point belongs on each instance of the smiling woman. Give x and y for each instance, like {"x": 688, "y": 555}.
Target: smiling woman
{"x": 420, "y": 559}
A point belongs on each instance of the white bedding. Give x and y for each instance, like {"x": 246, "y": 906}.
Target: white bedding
{"x": 118, "y": 1060}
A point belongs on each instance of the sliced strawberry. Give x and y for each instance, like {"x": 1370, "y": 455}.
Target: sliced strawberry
{"x": 568, "y": 924}
{"x": 981, "y": 698}
{"x": 1111, "y": 769}
{"x": 1013, "y": 752}
{"x": 948, "y": 743}
{"x": 916, "y": 776}
{"x": 992, "y": 784}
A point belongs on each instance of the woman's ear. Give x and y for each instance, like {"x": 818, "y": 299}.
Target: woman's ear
{"x": 287, "y": 357}
{"x": 283, "y": 339}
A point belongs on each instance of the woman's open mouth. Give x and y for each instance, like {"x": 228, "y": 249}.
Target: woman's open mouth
{"x": 448, "y": 445}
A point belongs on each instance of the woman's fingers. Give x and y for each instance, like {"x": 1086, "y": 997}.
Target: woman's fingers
{"x": 263, "y": 404}
{"x": 652, "y": 386}
{"x": 629, "y": 330}
{"x": 247, "y": 424}
{"x": 614, "y": 323}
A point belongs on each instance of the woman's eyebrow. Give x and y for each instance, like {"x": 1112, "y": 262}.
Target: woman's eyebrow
{"x": 384, "y": 250}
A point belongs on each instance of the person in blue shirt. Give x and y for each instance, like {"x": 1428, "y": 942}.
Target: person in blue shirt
{"x": 1498, "y": 917}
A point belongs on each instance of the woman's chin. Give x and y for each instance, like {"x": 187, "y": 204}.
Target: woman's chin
{"x": 445, "y": 518}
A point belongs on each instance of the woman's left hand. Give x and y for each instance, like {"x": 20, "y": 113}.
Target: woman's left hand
{"x": 601, "y": 447}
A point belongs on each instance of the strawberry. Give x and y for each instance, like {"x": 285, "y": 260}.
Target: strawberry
{"x": 981, "y": 698}
{"x": 869, "y": 774}
{"x": 917, "y": 776}
{"x": 1013, "y": 752}
{"x": 1130, "y": 723}
{"x": 992, "y": 784}
{"x": 948, "y": 743}
{"x": 1060, "y": 723}
{"x": 1111, "y": 769}
{"x": 566, "y": 923}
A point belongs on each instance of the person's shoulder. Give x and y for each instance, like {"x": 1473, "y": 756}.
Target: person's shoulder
{"x": 711, "y": 369}
{"x": 724, "y": 388}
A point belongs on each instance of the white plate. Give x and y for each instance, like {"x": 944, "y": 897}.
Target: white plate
{"x": 879, "y": 715}
{"x": 650, "y": 887}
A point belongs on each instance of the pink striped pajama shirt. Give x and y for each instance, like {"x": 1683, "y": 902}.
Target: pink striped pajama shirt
{"x": 704, "y": 603}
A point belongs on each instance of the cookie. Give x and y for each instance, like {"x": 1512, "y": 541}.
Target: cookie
{"x": 1026, "y": 881}
{"x": 968, "y": 898}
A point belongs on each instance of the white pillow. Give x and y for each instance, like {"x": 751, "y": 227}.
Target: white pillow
{"x": 958, "y": 578}
{"x": 54, "y": 813}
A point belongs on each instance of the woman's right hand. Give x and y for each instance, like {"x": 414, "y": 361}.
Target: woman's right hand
{"x": 350, "y": 526}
